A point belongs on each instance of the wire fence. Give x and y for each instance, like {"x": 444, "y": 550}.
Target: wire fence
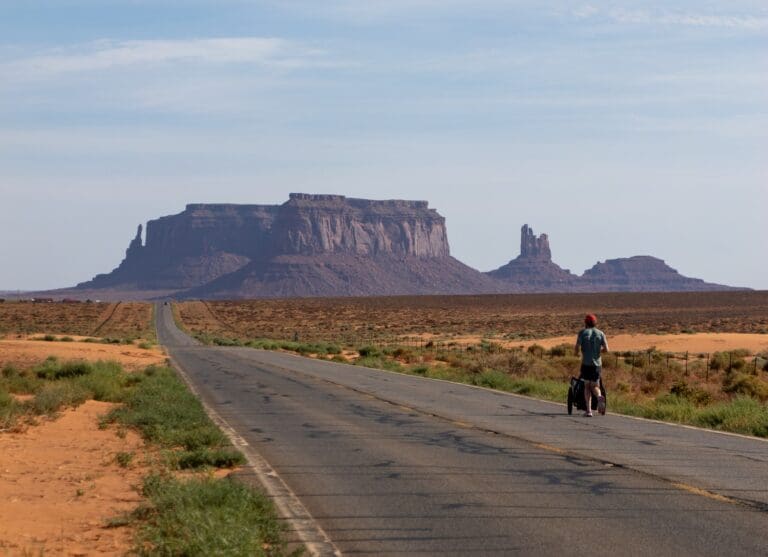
{"x": 648, "y": 359}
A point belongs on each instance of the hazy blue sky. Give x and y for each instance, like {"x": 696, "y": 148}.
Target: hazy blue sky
{"x": 619, "y": 128}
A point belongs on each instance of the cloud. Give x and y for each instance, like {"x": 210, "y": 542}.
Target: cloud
{"x": 648, "y": 17}
{"x": 107, "y": 55}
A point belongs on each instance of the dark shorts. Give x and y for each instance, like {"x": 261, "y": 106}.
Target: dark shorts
{"x": 590, "y": 373}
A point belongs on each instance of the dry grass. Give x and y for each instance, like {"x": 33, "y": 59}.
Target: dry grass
{"x": 511, "y": 317}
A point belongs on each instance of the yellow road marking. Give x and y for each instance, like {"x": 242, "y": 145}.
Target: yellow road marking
{"x": 549, "y": 448}
{"x": 704, "y": 493}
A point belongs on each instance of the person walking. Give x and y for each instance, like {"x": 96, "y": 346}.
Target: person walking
{"x": 592, "y": 342}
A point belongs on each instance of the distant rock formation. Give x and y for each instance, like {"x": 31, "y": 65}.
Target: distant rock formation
{"x": 641, "y": 273}
{"x": 533, "y": 270}
{"x": 532, "y": 247}
{"x": 312, "y": 245}
{"x": 192, "y": 248}
{"x": 331, "y": 245}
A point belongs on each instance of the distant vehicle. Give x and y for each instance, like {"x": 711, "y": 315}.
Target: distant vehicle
{"x": 71, "y": 301}
{"x": 42, "y": 300}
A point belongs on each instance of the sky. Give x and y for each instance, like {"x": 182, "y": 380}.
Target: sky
{"x": 618, "y": 128}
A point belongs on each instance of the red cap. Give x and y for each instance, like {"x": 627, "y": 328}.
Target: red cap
{"x": 590, "y": 320}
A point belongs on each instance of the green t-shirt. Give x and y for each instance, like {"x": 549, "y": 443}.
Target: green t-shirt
{"x": 591, "y": 341}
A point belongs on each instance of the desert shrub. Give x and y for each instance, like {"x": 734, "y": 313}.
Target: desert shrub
{"x": 405, "y": 354}
{"x": 20, "y": 382}
{"x": 106, "y": 381}
{"x": 145, "y": 345}
{"x": 698, "y": 396}
{"x": 9, "y": 409}
{"x": 369, "y": 352}
{"x": 55, "y": 395}
{"x": 220, "y": 341}
{"x": 420, "y": 370}
{"x": 621, "y": 387}
{"x": 111, "y": 340}
{"x": 379, "y": 362}
{"x": 745, "y": 384}
{"x": 9, "y": 370}
{"x": 733, "y": 360}
{"x": 52, "y": 369}
{"x": 560, "y": 350}
{"x": 490, "y": 347}
{"x": 67, "y": 339}
{"x": 311, "y": 348}
{"x": 49, "y": 338}
{"x": 536, "y": 350}
{"x": 124, "y": 459}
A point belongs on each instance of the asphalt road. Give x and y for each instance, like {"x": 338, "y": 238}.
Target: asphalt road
{"x": 389, "y": 464}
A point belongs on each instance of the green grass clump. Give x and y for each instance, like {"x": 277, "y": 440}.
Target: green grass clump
{"x": 205, "y": 516}
{"x": 52, "y": 369}
{"x": 167, "y": 413}
{"x": 379, "y": 362}
{"x": 18, "y": 381}
{"x": 107, "y": 381}
{"x": 746, "y": 384}
{"x": 124, "y": 459}
{"x": 9, "y": 410}
{"x": 55, "y": 395}
{"x": 304, "y": 348}
{"x": 369, "y": 352}
{"x": 742, "y": 415}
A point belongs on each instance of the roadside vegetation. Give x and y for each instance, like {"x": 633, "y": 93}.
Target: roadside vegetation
{"x": 188, "y": 510}
{"x": 726, "y": 391}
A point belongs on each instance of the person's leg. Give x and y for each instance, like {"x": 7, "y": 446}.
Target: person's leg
{"x": 600, "y": 398}
{"x": 589, "y": 387}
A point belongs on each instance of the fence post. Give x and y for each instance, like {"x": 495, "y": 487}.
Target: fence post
{"x": 686, "y": 363}
{"x": 707, "y": 376}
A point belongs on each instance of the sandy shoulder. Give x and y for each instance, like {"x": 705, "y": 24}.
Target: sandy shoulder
{"x": 700, "y": 342}
{"x": 27, "y": 353}
{"x": 60, "y": 483}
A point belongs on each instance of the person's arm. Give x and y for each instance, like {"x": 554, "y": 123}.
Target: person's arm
{"x": 578, "y": 344}
{"x": 604, "y": 346}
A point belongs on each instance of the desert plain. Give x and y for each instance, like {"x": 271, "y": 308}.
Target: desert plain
{"x": 60, "y": 475}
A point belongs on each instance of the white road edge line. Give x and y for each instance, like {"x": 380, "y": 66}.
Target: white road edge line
{"x": 289, "y": 506}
